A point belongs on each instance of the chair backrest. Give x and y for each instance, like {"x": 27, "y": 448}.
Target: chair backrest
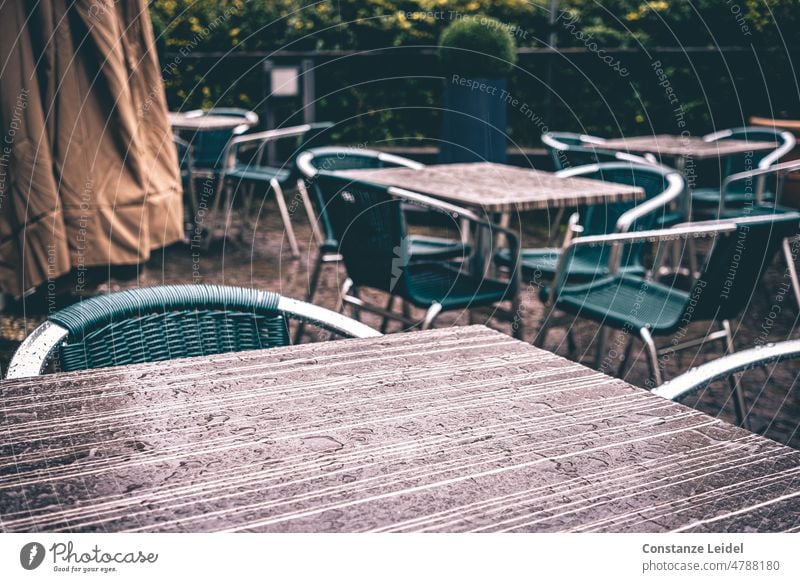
{"x": 558, "y": 143}
{"x": 757, "y": 159}
{"x": 169, "y": 322}
{"x": 570, "y": 150}
{"x": 737, "y": 261}
{"x": 331, "y": 159}
{"x": 602, "y": 218}
{"x": 209, "y": 146}
{"x": 368, "y": 223}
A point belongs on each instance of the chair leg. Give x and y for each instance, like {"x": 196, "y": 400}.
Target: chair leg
{"x": 734, "y": 381}
{"x": 312, "y": 215}
{"x": 691, "y": 249}
{"x": 602, "y": 340}
{"x": 346, "y": 287}
{"x": 433, "y": 312}
{"x": 228, "y": 209}
{"x": 389, "y": 307}
{"x": 213, "y": 214}
{"x": 652, "y": 355}
{"x": 287, "y": 221}
{"x": 555, "y": 226}
{"x": 624, "y": 364}
{"x": 572, "y": 347}
{"x": 544, "y": 327}
{"x": 790, "y": 266}
{"x": 312, "y": 290}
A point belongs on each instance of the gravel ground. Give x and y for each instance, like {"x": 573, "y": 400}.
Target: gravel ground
{"x": 260, "y": 258}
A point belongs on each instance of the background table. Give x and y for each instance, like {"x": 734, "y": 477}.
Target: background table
{"x": 677, "y": 146}
{"x": 185, "y": 122}
{"x": 498, "y": 188}
{"x": 460, "y": 429}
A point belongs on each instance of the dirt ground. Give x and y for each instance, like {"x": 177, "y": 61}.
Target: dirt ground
{"x": 260, "y": 258}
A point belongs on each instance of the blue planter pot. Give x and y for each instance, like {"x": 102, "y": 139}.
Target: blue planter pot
{"x": 473, "y": 121}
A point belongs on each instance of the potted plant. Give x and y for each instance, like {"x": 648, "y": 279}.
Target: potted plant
{"x": 476, "y": 54}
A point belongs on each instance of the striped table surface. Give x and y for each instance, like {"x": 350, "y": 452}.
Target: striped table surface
{"x": 686, "y": 146}
{"x": 182, "y": 121}
{"x": 452, "y": 430}
{"x": 498, "y": 187}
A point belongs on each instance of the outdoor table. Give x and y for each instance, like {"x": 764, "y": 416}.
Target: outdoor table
{"x": 450, "y": 430}
{"x": 497, "y": 189}
{"x": 199, "y": 122}
{"x": 684, "y": 148}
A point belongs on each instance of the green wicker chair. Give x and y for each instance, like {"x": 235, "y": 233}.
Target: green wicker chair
{"x": 331, "y": 159}
{"x": 737, "y": 184}
{"x": 742, "y": 250}
{"x": 368, "y": 222}
{"x": 169, "y": 322}
{"x": 662, "y": 186}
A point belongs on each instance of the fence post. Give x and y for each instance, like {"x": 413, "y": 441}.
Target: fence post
{"x": 309, "y": 91}
{"x": 553, "y": 42}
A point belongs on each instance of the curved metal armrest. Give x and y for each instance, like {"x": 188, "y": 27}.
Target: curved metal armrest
{"x": 572, "y": 242}
{"x": 782, "y": 168}
{"x": 260, "y": 139}
{"x": 717, "y": 135}
{"x": 400, "y": 161}
{"x": 788, "y": 144}
{"x": 675, "y": 187}
{"x": 35, "y": 352}
{"x": 700, "y": 377}
{"x": 325, "y": 318}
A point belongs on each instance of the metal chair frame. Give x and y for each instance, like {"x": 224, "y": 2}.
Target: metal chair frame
{"x": 618, "y": 241}
{"x": 781, "y": 171}
{"x": 730, "y": 367}
{"x": 250, "y": 119}
{"x": 40, "y": 346}
{"x": 591, "y": 146}
{"x": 349, "y": 292}
{"x": 305, "y": 164}
{"x": 262, "y": 140}
{"x": 186, "y": 169}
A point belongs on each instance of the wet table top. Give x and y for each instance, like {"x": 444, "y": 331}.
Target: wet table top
{"x": 498, "y": 187}
{"x": 190, "y": 122}
{"x": 452, "y": 430}
{"x": 685, "y": 146}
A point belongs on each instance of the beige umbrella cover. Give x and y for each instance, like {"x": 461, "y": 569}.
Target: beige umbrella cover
{"x": 88, "y": 169}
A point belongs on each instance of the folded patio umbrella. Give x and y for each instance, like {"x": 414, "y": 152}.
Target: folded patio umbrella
{"x": 88, "y": 169}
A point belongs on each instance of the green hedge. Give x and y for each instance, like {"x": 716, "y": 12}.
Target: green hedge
{"x": 398, "y": 96}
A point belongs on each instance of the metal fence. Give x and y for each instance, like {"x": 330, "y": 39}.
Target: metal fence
{"x": 394, "y": 94}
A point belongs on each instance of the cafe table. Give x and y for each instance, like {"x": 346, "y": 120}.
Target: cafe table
{"x": 684, "y": 150}
{"x": 497, "y": 189}
{"x": 199, "y": 121}
{"x": 681, "y": 147}
{"x": 452, "y": 430}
